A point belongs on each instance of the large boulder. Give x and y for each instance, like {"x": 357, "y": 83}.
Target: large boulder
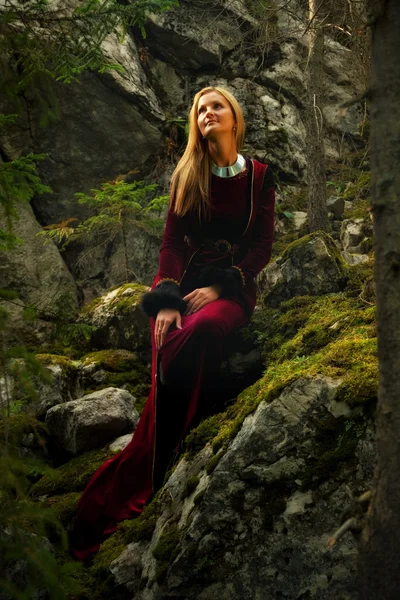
{"x": 310, "y": 266}
{"x": 38, "y": 274}
{"x": 258, "y": 525}
{"x": 93, "y": 420}
{"x": 117, "y": 320}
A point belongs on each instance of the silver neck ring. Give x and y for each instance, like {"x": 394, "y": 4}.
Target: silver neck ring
{"x": 230, "y": 171}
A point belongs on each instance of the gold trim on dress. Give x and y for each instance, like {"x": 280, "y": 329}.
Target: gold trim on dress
{"x": 242, "y": 275}
{"x": 167, "y": 279}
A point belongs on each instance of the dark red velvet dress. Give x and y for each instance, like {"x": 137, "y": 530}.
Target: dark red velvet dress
{"x": 242, "y": 212}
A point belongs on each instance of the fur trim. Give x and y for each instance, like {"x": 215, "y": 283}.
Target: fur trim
{"x": 229, "y": 279}
{"x": 165, "y": 295}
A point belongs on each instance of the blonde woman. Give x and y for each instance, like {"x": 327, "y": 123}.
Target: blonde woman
{"x": 218, "y": 236}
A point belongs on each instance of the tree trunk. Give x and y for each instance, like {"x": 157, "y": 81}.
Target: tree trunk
{"x": 379, "y": 562}
{"x": 315, "y": 152}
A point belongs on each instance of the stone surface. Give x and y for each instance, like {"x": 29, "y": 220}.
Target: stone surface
{"x": 336, "y": 206}
{"x": 65, "y": 385}
{"x": 120, "y": 443}
{"x": 262, "y": 526}
{"x": 356, "y": 237}
{"x": 93, "y": 420}
{"x": 299, "y": 219}
{"x": 38, "y": 274}
{"x": 117, "y": 319}
{"x": 311, "y": 266}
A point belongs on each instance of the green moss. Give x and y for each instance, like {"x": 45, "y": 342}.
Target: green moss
{"x": 357, "y": 275}
{"x": 335, "y": 443}
{"x": 123, "y": 368}
{"x": 72, "y": 476}
{"x": 360, "y": 188}
{"x": 213, "y": 462}
{"x": 64, "y": 506}
{"x": 331, "y": 335}
{"x": 198, "y": 437}
{"x": 166, "y": 551}
{"x": 128, "y": 296}
{"x": 333, "y": 250}
{"x": 68, "y": 366}
{"x": 112, "y": 360}
{"x": 190, "y": 487}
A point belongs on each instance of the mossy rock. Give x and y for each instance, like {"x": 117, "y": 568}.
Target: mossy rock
{"x": 126, "y": 296}
{"x": 123, "y": 369}
{"x": 129, "y": 531}
{"x": 190, "y": 486}
{"x": 335, "y": 443}
{"x": 112, "y": 360}
{"x": 72, "y": 476}
{"x": 64, "y": 506}
{"x": 67, "y": 365}
{"x": 117, "y": 321}
{"x": 307, "y": 336}
{"x": 166, "y": 550}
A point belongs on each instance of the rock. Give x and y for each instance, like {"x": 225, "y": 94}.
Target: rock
{"x": 299, "y": 219}
{"x": 64, "y": 386}
{"x": 354, "y": 233}
{"x": 182, "y": 37}
{"x": 93, "y": 420}
{"x": 120, "y": 443}
{"x": 257, "y": 526}
{"x": 117, "y": 319}
{"x": 355, "y": 259}
{"x": 311, "y": 266}
{"x": 38, "y": 274}
{"x": 336, "y": 206}
{"x": 356, "y": 237}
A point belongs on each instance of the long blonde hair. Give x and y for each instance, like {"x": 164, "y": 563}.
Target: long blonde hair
{"x": 190, "y": 182}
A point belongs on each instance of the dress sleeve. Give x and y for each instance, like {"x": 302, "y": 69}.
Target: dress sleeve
{"x": 165, "y": 292}
{"x": 173, "y": 250}
{"x": 261, "y": 241}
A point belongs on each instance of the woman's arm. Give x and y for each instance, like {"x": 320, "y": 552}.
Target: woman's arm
{"x": 165, "y": 289}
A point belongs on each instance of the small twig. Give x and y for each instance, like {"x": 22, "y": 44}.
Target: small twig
{"x": 347, "y": 526}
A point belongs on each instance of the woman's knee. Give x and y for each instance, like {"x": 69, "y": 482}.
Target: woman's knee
{"x": 207, "y": 324}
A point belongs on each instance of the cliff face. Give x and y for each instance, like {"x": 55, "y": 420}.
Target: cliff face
{"x": 113, "y": 123}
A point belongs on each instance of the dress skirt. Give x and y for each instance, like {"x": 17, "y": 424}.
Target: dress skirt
{"x": 188, "y": 362}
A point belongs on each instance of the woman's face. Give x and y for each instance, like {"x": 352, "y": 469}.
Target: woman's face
{"x": 214, "y": 116}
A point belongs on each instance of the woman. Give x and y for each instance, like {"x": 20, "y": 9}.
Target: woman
{"x": 218, "y": 237}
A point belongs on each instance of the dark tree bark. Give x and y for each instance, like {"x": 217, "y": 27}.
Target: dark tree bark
{"x": 317, "y": 211}
{"x": 379, "y": 559}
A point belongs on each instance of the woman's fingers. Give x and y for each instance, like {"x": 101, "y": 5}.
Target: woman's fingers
{"x": 164, "y": 320}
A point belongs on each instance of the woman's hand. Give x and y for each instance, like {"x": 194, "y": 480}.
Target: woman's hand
{"x": 202, "y": 296}
{"x": 164, "y": 320}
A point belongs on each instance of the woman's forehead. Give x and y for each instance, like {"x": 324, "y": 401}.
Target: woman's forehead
{"x": 210, "y": 97}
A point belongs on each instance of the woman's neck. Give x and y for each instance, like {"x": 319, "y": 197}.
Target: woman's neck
{"x": 222, "y": 154}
